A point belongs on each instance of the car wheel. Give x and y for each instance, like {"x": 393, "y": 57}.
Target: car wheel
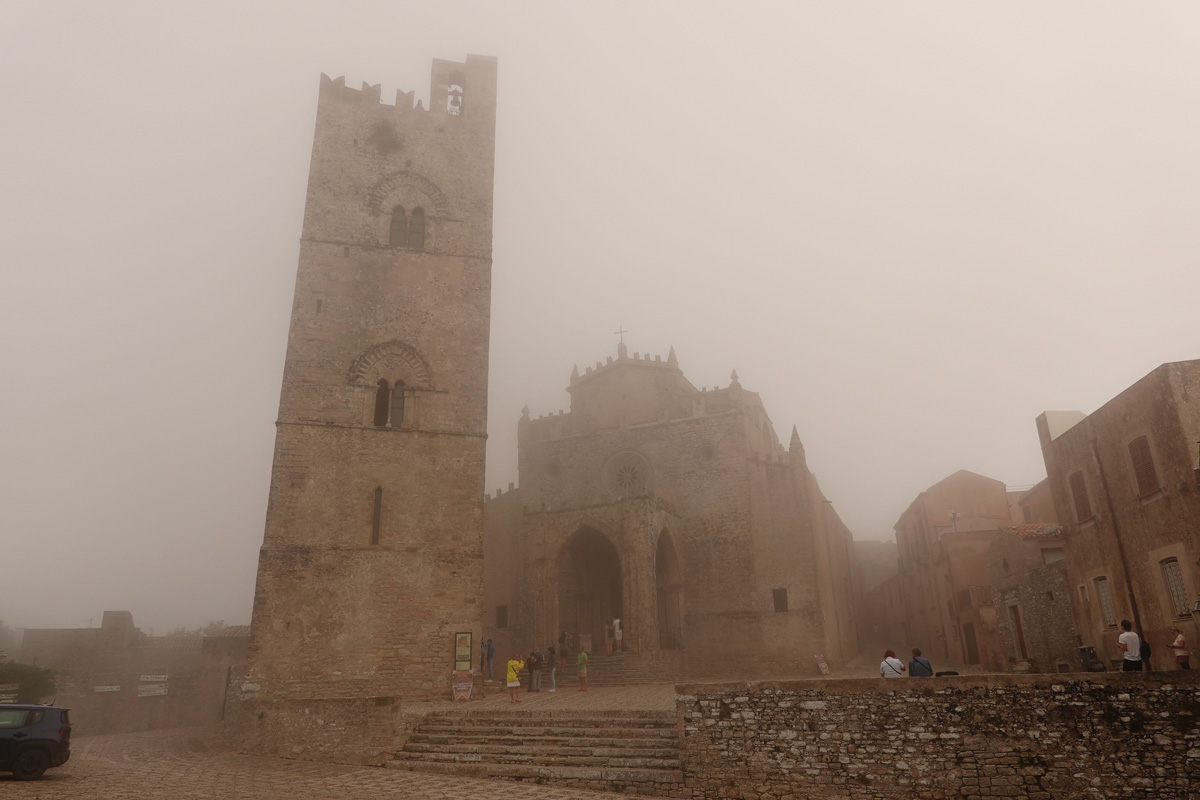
{"x": 30, "y": 765}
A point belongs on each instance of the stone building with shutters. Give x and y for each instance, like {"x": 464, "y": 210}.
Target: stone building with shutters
{"x": 372, "y": 556}
{"x": 943, "y": 539}
{"x": 677, "y": 510}
{"x": 1125, "y": 481}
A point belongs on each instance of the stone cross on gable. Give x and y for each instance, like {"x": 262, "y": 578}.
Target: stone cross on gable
{"x": 622, "y": 350}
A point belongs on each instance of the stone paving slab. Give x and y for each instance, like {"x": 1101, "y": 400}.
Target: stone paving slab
{"x": 194, "y": 764}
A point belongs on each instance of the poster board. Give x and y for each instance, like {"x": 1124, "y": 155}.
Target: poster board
{"x": 462, "y": 651}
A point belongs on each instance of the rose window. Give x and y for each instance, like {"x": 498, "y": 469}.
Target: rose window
{"x": 628, "y": 475}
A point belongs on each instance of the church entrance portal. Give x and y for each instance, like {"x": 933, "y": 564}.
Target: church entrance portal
{"x": 589, "y": 588}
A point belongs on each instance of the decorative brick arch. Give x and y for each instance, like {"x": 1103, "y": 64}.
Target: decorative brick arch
{"x": 392, "y": 357}
{"x": 408, "y": 184}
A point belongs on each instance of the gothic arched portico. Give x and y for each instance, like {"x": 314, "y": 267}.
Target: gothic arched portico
{"x": 589, "y": 586}
{"x": 668, "y": 578}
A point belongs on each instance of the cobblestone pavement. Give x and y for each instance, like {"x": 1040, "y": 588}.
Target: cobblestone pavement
{"x": 193, "y": 764}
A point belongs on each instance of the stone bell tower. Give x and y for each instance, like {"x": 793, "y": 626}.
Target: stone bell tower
{"x": 372, "y": 555}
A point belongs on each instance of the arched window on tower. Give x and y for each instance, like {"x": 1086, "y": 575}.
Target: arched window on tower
{"x": 398, "y": 232}
{"x": 398, "y": 404}
{"x": 381, "y": 405}
{"x": 416, "y": 229}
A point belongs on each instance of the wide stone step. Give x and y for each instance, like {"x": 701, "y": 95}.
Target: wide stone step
{"x": 634, "y": 719}
{"x": 424, "y": 738}
{"x": 541, "y": 747}
{"x": 543, "y": 759}
{"x": 607, "y": 775}
{"x": 552, "y": 731}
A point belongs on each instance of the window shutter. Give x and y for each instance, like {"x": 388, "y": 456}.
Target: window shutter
{"x": 1083, "y": 506}
{"x": 1143, "y": 466}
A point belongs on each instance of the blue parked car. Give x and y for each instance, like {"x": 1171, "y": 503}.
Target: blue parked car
{"x": 32, "y": 739}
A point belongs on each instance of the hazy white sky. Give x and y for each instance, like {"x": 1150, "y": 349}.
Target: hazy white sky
{"x": 911, "y": 226}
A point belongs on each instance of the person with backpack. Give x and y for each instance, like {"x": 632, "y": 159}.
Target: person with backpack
{"x": 1131, "y": 645}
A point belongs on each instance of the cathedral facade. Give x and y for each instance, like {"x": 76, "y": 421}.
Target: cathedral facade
{"x": 678, "y": 511}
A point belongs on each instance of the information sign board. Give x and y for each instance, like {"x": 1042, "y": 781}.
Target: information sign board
{"x": 152, "y": 689}
{"x": 107, "y": 689}
{"x": 153, "y": 679}
{"x": 462, "y": 651}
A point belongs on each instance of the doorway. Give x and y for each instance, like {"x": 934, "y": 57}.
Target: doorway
{"x": 589, "y": 593}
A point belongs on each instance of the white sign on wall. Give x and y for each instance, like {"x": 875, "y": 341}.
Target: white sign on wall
{"x": 152, "y": 690}
{"x": 107, "y": 689}
{"x": 153, "y": 679}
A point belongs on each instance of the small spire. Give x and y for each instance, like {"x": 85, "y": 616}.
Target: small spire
{"x": 733, "y": 380}
{"x": 795, "y": 444}
{"x": 671, "y": 359}
{"x": 525, "y": 412}
{"x": 574, "y": 373}
{"x": 622, "y": 350}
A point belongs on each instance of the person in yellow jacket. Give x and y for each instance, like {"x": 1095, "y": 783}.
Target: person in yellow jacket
{"x": 515, "y": 665}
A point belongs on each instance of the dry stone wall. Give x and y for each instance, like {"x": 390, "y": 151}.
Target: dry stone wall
{"x": 1071, "y": 736}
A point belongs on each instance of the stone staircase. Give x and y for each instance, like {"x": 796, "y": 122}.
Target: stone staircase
{"x": 635, "y": 751}
{"x": 620, "y": 669}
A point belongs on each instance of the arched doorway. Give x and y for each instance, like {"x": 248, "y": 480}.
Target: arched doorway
{"x": 668, "y": 577}
{"x": 589, "y": 587}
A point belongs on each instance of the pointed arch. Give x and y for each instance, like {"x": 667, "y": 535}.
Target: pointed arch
{"x": 668, "y": 575}
{"x": 590, "y": 586}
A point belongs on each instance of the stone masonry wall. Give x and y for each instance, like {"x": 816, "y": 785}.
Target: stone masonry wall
{"x": 1105, "y": 736}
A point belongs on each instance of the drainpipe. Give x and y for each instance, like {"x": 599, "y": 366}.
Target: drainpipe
{"x": 1137, "y": 617}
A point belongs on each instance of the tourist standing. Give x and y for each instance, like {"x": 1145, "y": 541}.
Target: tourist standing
{"x": 1131, "y": 644}
{"x": 608, "y": 637}
{"x": 1181, "y": 651}
{"x": 535, "y": 667}
{"x": 515, "y": 665}
{"x": 919, "y": 667}
{"x": 891, "y": 667}
{"x": 581, "y": 663}
{"x": 564, "y": 641}
{"x": 552, "y": 665}
{"x": 491, "y": 656}
{"x": 617, "y": 635}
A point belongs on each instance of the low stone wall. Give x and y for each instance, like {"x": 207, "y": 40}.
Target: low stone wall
{"x": 1041, "y": 737}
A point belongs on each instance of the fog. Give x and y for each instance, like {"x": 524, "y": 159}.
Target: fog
{"x": 911, "y": 227}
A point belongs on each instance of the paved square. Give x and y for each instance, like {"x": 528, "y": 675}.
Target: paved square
{"x": 193, "y": 764}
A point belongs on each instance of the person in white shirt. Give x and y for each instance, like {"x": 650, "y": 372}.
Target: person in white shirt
{"x": 891, "y": 667}
{"x": 1131, "y": 643}
{"x": 1180, "y": 647}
